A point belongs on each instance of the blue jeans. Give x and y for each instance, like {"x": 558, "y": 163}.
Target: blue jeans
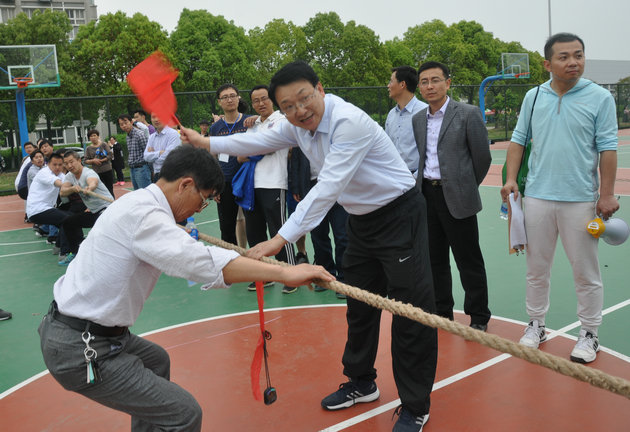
{"x": 140, "y": 177}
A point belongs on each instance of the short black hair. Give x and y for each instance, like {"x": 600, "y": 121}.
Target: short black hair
{"x": 225, "y": 87}
{"x": 92, "y": 132}
{"x": 141, "y": 112}
{"x": 72, "y": 153}
{"x": 560, "y": 37}
{"x": 258, "y": 87}
{"x": 28, "y": 143}
{"x": 34, "y": 152}
{"x": 45, "y": 141}
{"x": 290, "y": 73}
{"x": 126, "y": 117}
{"x": 204, "y": 122}
{"x": 188, "y": 161}
{"x": 408, "y": 75}
{"x": 433, "y": 65}
{"x": 55, "y": 155}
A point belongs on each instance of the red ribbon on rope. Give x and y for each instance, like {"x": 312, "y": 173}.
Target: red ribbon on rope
{"x": 151, "y": 81}
{"x": 260, "y": 348}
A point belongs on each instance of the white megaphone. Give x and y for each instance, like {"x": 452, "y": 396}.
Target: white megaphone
{"x": 614, "y": 231}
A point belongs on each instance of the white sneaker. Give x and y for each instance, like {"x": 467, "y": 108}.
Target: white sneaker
{"x": 534, "y": 335}
{"x": 586, "y": 348}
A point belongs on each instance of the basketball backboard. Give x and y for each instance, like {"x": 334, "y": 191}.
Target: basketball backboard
{"x": 514, "y": 65}
{"x": 38, "y": 63}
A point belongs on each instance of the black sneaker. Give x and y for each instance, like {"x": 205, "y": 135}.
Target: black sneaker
{"x": 4, "y": 315}
{"x": 350, "y": 393}
{"x": 407, "y": 422}
{"x": 301, "y": 258}
{"x": 252, "y": 286}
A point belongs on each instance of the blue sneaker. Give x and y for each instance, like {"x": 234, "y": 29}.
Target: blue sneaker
{"x": 67, "y": 260}
{"x": 407, "y": 422}
{"x": 350, "y": 393}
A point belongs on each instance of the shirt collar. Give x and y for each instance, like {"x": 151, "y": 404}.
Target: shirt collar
{"x": 159, "y": 196}
{"x": 442, "y": 109}
{"x": 410, "y": 105}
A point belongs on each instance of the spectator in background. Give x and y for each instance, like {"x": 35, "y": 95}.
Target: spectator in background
{"x": 98, "y": 155}
{"x": 37, "y": 160}
{"x": 136, "y": 143}
{"x": 140, "y": 120}
{"x": 231, "y": 123}
{"x": 118, "y": 160}
{"x": 26, "y": 161}
{"x": 204, "y": 126}
{"x": 160, "y": 145}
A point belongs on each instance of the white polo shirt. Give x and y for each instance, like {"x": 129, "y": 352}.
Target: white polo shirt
{"x": 42, "y": 195}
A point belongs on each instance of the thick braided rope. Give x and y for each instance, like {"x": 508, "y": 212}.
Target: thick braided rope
{"x": 580, "y": 372}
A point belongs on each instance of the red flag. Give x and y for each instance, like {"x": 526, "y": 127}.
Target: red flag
{"x": 151, "y": 82}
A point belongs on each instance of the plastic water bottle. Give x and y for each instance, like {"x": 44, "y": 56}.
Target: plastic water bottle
{"x": 194, "y": 233}
{"x": 503, "y": 213}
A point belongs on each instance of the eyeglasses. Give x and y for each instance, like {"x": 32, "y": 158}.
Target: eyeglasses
{"x": 228, "y": 97}
{"x": 204, "y": 201}
{"x": 263, "y": 99}
{"x": 305, "y": 102}
{"x": 432, "y": 81}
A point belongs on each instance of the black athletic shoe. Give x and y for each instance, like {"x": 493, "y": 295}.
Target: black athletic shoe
{"x": 350, "y": 393}
{"x": 252, "y": 286}
{"x": 4, "y": 315}
{"x": 301, "y": 258}
{"x": 408, "y": 422}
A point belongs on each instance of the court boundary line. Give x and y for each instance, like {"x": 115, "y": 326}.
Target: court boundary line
{"x": 552, "y": 334}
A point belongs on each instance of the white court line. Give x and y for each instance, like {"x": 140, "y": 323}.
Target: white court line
{"x": 11, "y": 211}
{"x": 25, "y": 253}
{"x": 207, "y": 222}
{"x": 471, "y": 371}
{"x": 22, "y": 243}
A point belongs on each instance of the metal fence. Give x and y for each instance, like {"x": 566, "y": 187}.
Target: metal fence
{"x": 66, "y": 120}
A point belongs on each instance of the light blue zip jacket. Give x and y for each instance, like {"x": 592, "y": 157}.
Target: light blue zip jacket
{"x": 568, "y": 133}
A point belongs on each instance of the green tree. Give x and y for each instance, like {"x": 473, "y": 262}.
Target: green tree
{"x": 275, "y": 45}
{"x": 345, "y": 55}
{"x": 210, "y": 51}
{"x": 104, "y": 51}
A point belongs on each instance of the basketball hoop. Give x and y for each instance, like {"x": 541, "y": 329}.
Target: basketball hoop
{"x": 23, "y": 82}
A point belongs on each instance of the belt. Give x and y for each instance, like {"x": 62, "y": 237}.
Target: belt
{"x": 139, "y": 165}
{"x": 432, "y": 182}
{"x": 85, "y": 325}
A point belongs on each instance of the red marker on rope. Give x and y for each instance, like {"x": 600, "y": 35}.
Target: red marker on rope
{"x": 270, "y": 394}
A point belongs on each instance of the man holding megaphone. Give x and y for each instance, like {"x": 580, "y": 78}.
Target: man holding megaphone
{"x": 573, "y": 127}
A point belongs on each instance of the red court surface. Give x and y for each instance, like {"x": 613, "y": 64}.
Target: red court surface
{"x": 211, "y": 359}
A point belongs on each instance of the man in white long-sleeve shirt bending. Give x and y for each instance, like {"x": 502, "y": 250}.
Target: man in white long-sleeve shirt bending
{"x": 387, "y": 249}
{"x": 85, "y": 339}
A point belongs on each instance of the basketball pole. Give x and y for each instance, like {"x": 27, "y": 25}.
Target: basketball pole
{"x": 20, "y": 104}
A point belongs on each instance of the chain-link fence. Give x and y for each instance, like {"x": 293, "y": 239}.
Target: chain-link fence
{"x": 67, "y": 120}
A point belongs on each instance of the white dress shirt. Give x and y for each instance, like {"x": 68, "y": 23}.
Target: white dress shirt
{"x": 357, "y": 164}
{"x": 120, "y": 261}
{"x": 434, "y": 124}
{"x": 271, "y": 171}
{"x": 43, "y": 193}
{"x": 398, "y": 127}
{"x": 165, "y": 140}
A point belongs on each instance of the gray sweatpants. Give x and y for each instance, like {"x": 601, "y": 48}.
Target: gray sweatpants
{"x": 135, "y": 377}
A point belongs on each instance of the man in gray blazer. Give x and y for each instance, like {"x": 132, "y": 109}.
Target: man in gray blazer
{"x": 452, "y": 142}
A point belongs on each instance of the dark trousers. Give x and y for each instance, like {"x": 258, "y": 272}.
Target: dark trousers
{"x": 269, "y": 213}
{"x": 228, "y": 211}
{"x": 107, "y": 178}
{"x": 73, "y": 227}
{"x": 120, "y": 176}
{"x": 388, "y": 255}
{"x": 461, "y": 236}
{"x": 54, "y": 216}
{"x": 336, "y": 218}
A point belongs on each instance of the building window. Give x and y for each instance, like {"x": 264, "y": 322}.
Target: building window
{"x": 6, "y": 13}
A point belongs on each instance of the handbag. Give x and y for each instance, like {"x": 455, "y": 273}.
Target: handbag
{"x": 521, "y": 176}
